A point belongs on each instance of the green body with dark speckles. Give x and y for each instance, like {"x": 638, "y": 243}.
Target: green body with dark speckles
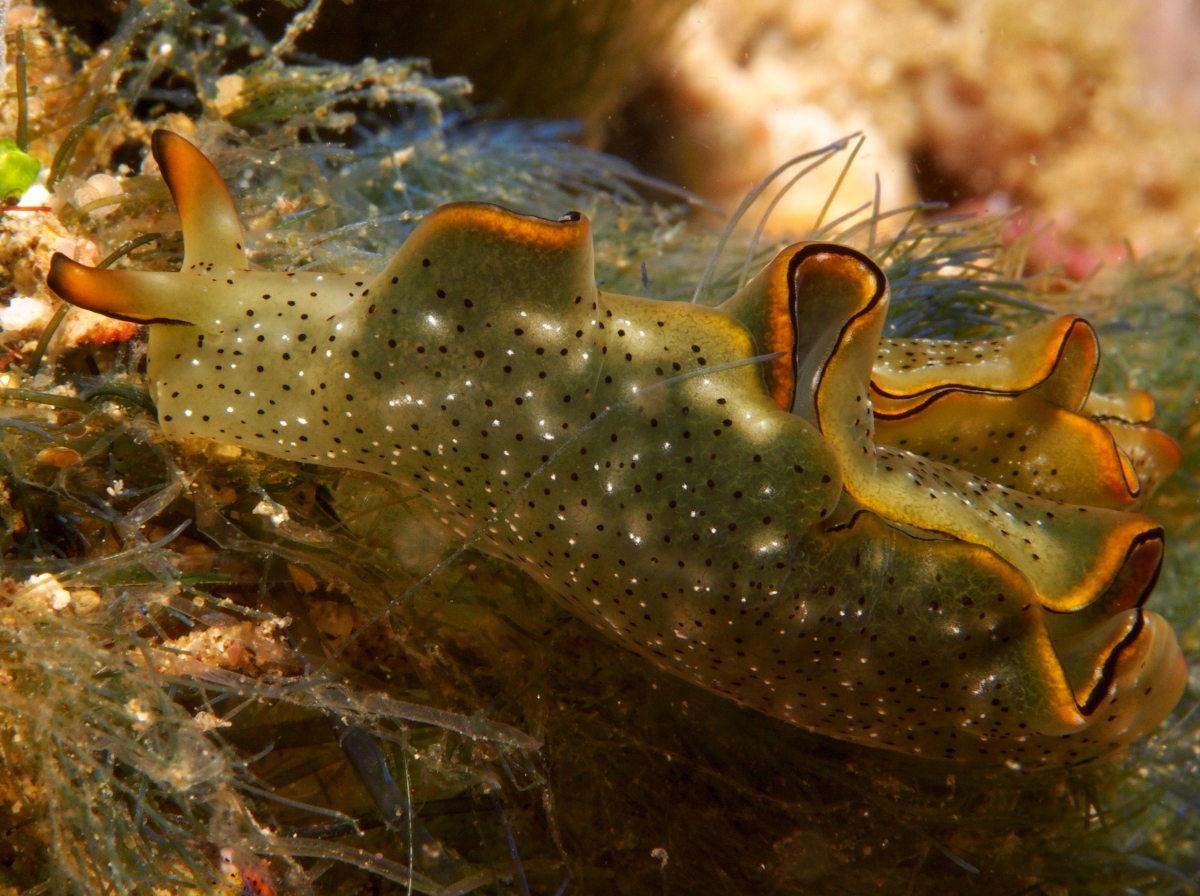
{"x": 625, "y": 453}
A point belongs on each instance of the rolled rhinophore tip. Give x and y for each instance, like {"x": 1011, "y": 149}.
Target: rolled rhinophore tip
{"x": 139, "y": 296}
{"x": 212, "y": 234}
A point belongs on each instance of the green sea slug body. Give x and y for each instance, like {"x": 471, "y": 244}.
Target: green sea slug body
{"x": 961, "y": 578}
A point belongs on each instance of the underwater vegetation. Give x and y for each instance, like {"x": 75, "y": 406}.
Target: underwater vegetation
{"x": 193, "y": 699}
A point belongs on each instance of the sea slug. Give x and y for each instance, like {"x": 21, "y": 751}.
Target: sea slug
{"x": 926, "y": 546}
